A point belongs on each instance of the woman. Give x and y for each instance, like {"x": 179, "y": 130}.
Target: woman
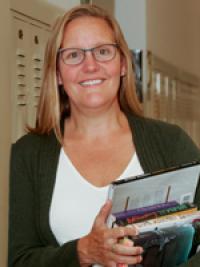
{"x": 89, "y": 132}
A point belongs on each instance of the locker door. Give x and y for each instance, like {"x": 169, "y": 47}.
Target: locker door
{"x": 19, "y": 83}
{"x": 38, "y": 40}
{"x": 29, "y": 41}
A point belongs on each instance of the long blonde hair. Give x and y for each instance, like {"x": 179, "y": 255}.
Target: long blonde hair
{"x": 54, "y": 104}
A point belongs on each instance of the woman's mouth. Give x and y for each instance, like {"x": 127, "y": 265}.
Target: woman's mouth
{"x": 91, "y": 82}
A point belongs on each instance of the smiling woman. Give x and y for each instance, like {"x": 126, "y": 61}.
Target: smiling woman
{"x": 96, "y": 67}
{"x": 70, "y": 33}
{"x": 89, "y": 132}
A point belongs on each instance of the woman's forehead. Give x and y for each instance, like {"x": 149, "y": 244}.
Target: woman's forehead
{"x": 86, "y": 30}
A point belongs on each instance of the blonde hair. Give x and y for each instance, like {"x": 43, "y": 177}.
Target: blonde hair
{"x": 54, "y": 104}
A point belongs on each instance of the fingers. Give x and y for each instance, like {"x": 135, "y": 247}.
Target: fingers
{"x": 103, "y": 214}
{"x": 127, "y": 260}
{"x": 110, "y": 246}
{"x": 120, "y": 232}
{"x": 125, "y": 250}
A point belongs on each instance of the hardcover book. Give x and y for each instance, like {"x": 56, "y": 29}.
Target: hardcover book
{"x": 161, "y": 205}
{"x": 153, "y": 191}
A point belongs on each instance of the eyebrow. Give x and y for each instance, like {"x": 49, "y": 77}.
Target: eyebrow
{"x": 96, "y": 45}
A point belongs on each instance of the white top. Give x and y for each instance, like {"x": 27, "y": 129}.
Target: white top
{"x": 76, "y": 202}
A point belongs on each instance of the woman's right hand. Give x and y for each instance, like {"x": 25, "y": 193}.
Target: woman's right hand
{"x": 102, "y": 246}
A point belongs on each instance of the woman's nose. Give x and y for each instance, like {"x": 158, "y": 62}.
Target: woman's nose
{"x": 90, "y": 64}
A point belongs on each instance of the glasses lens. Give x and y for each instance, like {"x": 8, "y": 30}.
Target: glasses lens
{"x": 105, "y": 52}
{"x": 72, "y": 56}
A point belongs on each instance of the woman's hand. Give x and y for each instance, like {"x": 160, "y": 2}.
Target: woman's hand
{"x": 102, "y": 244}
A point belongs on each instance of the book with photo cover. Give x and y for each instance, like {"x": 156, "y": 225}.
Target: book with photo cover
{"x": 153, "y": 191}
{"x": 162, "y": 204}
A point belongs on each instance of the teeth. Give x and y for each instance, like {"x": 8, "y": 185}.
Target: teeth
{"x": 91, "y": 82}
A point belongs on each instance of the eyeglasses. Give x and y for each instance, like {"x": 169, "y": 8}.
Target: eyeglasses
{"x": 101, "y": 53}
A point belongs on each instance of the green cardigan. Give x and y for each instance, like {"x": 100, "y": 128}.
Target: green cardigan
{"x": 34, "y": 160}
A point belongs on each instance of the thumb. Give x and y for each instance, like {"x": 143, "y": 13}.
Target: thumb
{"x": 103, "y": 214}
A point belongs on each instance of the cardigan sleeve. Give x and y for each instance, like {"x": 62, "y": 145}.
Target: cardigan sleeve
{"x": 26, "y": 246}
{"x": 185, "y": 150}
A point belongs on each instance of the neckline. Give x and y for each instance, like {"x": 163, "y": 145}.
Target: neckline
{"x": 84, "y": 180}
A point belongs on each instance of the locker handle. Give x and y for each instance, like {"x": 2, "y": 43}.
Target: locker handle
{"x": 37, "y": 78}
{"x": 21, "y": 65}
{"x": 21, "y": 104}
{"x": 21, "y": 95}
{"x": 21, "y": 55}
{"x": 37, "y": 68}
{"x": 37, "y": 59}
{"x": 21, "y": 84}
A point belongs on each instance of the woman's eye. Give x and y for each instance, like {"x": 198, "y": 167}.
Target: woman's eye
{"x": 72, "y": 55}
{"x": 104, "y": 51}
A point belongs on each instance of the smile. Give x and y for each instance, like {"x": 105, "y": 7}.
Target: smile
{"x": 91, "y": 82}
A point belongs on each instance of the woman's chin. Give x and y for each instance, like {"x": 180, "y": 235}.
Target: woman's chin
{"x": 96, "y": 104}
{"x": 95, "y": 101}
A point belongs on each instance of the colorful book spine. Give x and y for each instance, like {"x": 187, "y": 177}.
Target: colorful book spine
{"x": 167, "y": 221}
{"x": 140, "y": 211}
{"x": 185, "y": 207}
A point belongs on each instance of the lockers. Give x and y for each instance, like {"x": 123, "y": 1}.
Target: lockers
{"x": 173, "y": 96}
{"x": 29, "y": 38}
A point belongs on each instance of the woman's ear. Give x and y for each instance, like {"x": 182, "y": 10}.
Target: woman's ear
{"x": 59, "y": 79}
{"x": 123, "y": 67}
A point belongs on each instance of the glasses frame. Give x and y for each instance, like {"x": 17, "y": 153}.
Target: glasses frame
{"x": 84, "y": 50}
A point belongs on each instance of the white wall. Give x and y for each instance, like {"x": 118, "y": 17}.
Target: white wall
{"x": 173, "y": 32}
{"x": 5, "y": 122}
{"x": 131, "y": 14}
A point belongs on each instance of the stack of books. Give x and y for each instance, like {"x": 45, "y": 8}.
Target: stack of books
{"x": 161, "y": 205}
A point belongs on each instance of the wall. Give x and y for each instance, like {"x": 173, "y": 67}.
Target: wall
{"x": 108, "y": 5}
{"x": 39, "y": 10}
{"x": 173, "y": 32}
{"x": 131, "y": 15}
{"x": 5, "y": 122}
{"x": 63, "y": 3}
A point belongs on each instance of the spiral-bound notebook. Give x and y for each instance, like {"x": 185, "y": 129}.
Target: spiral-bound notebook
{"x": 177, "y": 184}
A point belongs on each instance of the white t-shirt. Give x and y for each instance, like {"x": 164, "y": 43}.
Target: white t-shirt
{"x": 76, "y": 202}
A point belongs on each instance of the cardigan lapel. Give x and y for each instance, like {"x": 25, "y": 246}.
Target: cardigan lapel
{"x": 49, "y": 156}
{"x": 150, "y": 154}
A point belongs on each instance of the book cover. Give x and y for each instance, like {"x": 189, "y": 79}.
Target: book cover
{"x": 176, "y": 184}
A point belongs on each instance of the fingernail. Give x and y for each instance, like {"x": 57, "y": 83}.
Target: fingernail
{"x": 136, "y": 230}
{"x": 140, "y": 259}
{"x": 141, "y": 250}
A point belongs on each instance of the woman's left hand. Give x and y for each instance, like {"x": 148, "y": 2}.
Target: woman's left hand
{"x": 102, "y": 245}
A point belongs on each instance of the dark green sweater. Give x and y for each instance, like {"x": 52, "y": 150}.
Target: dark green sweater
{"x": 33, "y": 167}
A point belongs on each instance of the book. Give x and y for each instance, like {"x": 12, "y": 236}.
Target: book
{"x": 177, "y": 184}
{"x": 169, "y": 195}
{"x": 167, "y": 221}
{"x": 140, "y": 211}
{"x": 184, "y": 208}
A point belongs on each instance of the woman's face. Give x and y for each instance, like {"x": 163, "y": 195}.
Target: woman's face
{"x": 90, "y": 85}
